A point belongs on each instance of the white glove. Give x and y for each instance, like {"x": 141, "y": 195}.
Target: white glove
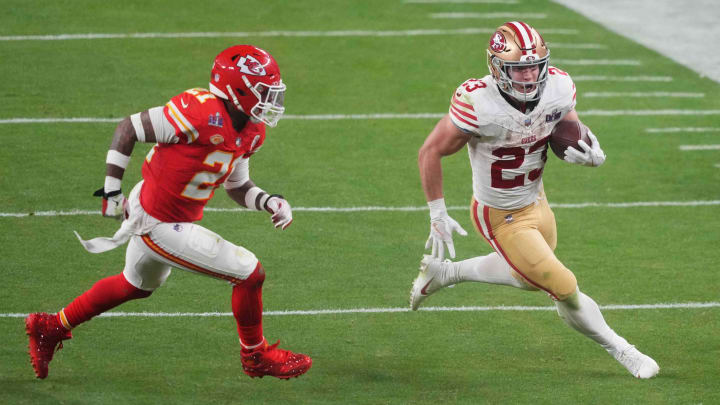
{"x": 441, "y": 229}
{"x": 592, "y": 155}
{"x": 113, "y": 203}
{"x": 280, "y": 210}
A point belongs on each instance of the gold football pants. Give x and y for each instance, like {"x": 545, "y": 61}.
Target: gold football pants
{"x": 526, "y": 239}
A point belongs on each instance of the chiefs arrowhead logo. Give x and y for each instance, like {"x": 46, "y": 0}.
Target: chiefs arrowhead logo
{"x": 497, "y": 42}
{"x": 249, "y": 65}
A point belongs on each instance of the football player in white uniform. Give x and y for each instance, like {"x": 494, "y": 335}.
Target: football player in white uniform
{"x": 506, "y": 118}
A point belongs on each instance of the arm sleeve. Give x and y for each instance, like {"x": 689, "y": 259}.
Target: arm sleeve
{"x": 240, "y": 174}
{"x": 164, "y": 130}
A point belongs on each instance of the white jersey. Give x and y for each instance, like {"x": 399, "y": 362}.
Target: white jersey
{"x": 508, "y": 148}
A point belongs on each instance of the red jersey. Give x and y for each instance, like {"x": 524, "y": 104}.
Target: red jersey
{"x": 180, "y": 178}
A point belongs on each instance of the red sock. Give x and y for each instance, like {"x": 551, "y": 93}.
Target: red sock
{"x": 104, "y": 295}
{"x": 247, "y": 307}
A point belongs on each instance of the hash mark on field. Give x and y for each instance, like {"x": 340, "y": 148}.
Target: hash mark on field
{"x": 674, "y": 130}
{"x": 391, "y": 209}
{"x": 300, "y": 34}
{"x": 686, "y": 148}
{"x": 687, "y": 305}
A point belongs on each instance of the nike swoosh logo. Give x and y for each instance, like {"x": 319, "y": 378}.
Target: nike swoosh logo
{"x": 182, "y": 101}
{"x": 423, "y": 291}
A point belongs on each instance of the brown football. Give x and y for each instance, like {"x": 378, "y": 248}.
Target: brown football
{"x": 568, "y": 133}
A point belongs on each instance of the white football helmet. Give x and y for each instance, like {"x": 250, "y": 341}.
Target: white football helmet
{"x": 518, "y": 45}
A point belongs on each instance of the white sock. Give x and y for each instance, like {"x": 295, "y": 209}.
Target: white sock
{"x": 583, "y": 314}
{"x": 491, "y": 269}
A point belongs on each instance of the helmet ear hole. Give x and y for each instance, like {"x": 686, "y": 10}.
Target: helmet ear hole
{"x": 240, "y": 92}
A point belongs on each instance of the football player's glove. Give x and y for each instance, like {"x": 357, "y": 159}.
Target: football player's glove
{"x": 280, "y": 210}
{"x": 113, "y": 203}
{"x": 441, "y": 228}
{"x": 591, "y": 155}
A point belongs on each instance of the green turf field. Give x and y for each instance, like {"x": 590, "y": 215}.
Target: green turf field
{"x": 340, "y": 260}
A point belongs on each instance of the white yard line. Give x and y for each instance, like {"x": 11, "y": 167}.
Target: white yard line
{"x": 390, "y": 209}
{"x": 594, "y": 78}
{"x": 618, "y": 113}
{"x": 631, "y": 307}
{"x": 680, "y": 130}
{"x": 594, "y": 62}
{"x": 609, "y": 94}
{"x": 554, "y": 45}
{"x": 686, "y": 148}
{"x": 507, "y": 16}
{"x": 301, "y": 34}
{"x": 460, "y": 1}
{"x": 329, "y": 117}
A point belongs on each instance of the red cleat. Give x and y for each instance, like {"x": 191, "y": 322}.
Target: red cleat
{"x": 269, "y": 360}
{"x": 46, "y": 335}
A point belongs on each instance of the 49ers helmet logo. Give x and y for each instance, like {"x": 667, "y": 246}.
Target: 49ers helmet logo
{"x": 249, "y": 65}
{"x": 497, "y": 42}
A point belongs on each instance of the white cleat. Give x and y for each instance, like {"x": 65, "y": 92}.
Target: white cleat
{"x": 429, "y": 280}
{"x": 638, "y": 364}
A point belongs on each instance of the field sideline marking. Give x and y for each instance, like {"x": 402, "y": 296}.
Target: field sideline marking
{"x": 327, "y": 117}
{"x": 392, "y": 209}
{"x": 345, "y": 33}
{"x": 686, "y": 305}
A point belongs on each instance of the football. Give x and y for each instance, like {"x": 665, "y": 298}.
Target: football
{"x": 568, "y": 133}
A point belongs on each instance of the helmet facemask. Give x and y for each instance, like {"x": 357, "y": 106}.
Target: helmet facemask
{"x": 271, "y": 98}
{"x": 520, "y": 90}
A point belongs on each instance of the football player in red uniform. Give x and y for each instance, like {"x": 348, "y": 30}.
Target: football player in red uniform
{"x": 203, "y": 139}
{"x": 505, "y": 119}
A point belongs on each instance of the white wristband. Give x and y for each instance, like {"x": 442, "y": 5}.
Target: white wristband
{"x": 112, "y": 184}
{"x": 437, "y": 207}
{"x": 116, "y": 158}
{"x": 253, "y": 202}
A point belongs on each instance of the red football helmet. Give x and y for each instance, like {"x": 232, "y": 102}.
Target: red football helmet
{"x": 250, "y": 78}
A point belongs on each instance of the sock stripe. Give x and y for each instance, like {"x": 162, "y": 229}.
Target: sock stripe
{"x": 186, "y": 264}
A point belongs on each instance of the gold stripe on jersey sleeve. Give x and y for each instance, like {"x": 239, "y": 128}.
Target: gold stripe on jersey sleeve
{"x": 182, "y": 122}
